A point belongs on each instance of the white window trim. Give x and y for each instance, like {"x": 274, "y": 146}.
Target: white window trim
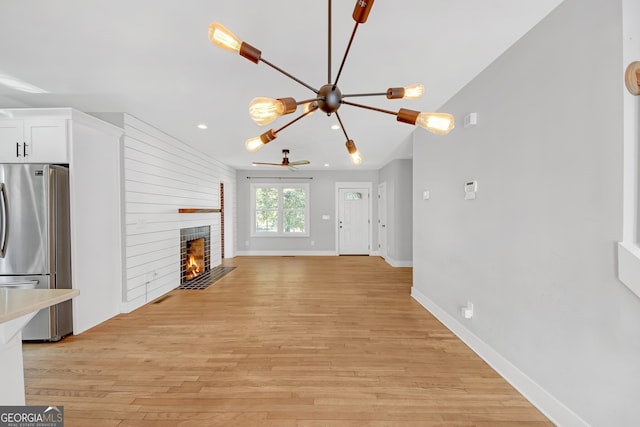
{"x": 629, "y": 247}
{"x": 280, "y": 186}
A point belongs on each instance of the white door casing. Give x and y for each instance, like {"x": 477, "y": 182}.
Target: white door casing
{"x": 382, "y": 220}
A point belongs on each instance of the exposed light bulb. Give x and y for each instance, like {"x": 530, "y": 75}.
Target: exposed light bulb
{"x": 222, "y": 37}
{"x": 265, "y": 110}
{"x": 253, "y": 144}
{"x": 356, "y": 157}
{"x": 414, "y": 91}
{"x": 438, "y": 123}
{"x": 309, "y": 107}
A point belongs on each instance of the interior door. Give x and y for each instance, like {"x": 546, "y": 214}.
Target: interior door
{"x": 382, "y": 220}
{"x": 353, "y": 221}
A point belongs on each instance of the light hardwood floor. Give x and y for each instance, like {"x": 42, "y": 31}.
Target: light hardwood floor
{"x": 280, "y": 341}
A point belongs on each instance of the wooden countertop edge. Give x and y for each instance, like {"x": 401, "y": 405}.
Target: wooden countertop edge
{"x": 15, "y": 303}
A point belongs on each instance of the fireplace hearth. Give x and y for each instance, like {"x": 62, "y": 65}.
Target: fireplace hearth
{"x": 195, "y": 258}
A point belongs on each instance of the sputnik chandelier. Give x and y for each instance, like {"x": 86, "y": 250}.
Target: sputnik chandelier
{"x": 328, "y": 98}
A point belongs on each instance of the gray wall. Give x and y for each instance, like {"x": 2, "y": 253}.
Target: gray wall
{"x": 398, "y": 177}
{"x": 535, "y": 252}
{"x": 322, "y": 202}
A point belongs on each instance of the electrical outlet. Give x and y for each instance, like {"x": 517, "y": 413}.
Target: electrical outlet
{"x": 467, "y": 312}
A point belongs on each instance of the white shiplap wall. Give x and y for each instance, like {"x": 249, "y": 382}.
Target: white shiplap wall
{"x": 161, "y": 175}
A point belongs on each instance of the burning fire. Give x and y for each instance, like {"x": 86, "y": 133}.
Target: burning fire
{"x": 192, "y": 268}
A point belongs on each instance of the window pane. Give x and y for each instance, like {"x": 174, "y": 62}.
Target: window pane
{"x": 266, "y": 221}
{"x": 294, "y": 221}
{"x": 266, "y": 210}
{"x": 266, "y": 198}
{"x": 294, "y": 198}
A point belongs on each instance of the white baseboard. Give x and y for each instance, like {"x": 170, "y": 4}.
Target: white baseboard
{"x": 129, "y": 306}
{"x": 395, "y": 263}
{"x": 285, "y": 253}
{"x": 555, "y": 410}
{"x": 134, "y": 304}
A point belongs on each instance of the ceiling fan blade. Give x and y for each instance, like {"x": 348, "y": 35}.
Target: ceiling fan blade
{"x": 300, "y": 162}
{"x": 268, "y": 164}
{"x": 292, "y": 168}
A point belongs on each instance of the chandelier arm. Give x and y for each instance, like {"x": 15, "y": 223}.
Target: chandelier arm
{"x": 367, "y": 107}
{"x": 352, "y": 95}
{"x": 342, "y": 126}
{"x": 295, "y": 120}
{"x": 329, "y": 43}
{"x": 346, "y": 53}
{"x": 311, "y": 88}
{"x": 306, "y": 100}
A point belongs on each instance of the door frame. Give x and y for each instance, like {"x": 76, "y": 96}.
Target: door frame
{"x": 383, "y": 215}
{"x": 368, "y": 186}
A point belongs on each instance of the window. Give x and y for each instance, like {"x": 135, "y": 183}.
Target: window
{"x": 280, "y": 209}
{"x": 629, "y": 247}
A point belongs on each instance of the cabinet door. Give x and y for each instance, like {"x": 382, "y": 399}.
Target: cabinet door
{"x": 46, "y": 141}
{"x": 11, "y": 141}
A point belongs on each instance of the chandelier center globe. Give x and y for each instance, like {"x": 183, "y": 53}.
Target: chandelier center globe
{"x": 329, "y": 98}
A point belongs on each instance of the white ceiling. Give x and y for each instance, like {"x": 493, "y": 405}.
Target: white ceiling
{"x": 153, "y": 60}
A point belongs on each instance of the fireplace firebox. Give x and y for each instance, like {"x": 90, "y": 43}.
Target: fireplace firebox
{"x": 195, "y": 259}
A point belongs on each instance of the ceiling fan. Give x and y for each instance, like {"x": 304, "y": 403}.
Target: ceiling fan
{"x": 328, "y": 98}
{"x": 285, "y": 161}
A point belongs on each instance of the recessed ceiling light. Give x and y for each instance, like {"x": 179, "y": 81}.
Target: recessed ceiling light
{"x": 335, "y": 127}
{"x": 201, "y": 126}
{"x": 326, "y": 165}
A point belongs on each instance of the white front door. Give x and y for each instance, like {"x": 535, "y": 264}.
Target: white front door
{"x": 353, "y": 221}
{"x": 382, "y": 220}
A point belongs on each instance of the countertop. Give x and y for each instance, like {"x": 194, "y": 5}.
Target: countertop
{"x": 18, "y": 302}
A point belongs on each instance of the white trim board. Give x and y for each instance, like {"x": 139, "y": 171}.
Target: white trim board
{"x": 539, "y": 397}
{"x": 398, "y": 263}
{"x": 285, "y": 253}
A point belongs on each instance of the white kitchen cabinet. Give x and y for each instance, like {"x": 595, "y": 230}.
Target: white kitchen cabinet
{"x": 36, "y": 140}
{"x": 92, "y": 149}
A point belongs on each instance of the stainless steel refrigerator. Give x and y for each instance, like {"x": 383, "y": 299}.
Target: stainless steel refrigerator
{"x": 35, "y": 243}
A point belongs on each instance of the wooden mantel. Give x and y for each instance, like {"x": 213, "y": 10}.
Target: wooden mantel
{"x": 198, "y": 210}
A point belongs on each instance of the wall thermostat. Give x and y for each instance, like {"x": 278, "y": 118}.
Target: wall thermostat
{"x": 470, "y": 189}
{"x": 470, "y": 120}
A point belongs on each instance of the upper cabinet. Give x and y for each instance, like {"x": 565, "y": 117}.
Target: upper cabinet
{"x": 34, "y": 140}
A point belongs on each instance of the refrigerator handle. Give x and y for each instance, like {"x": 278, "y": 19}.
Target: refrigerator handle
{"x": 4, "y": 220}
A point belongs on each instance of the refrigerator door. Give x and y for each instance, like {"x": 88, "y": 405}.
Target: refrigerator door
{"x": 25, "y": 220}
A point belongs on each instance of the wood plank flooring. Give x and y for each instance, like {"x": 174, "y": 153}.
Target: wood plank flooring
{"x": 280, "y": 341}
